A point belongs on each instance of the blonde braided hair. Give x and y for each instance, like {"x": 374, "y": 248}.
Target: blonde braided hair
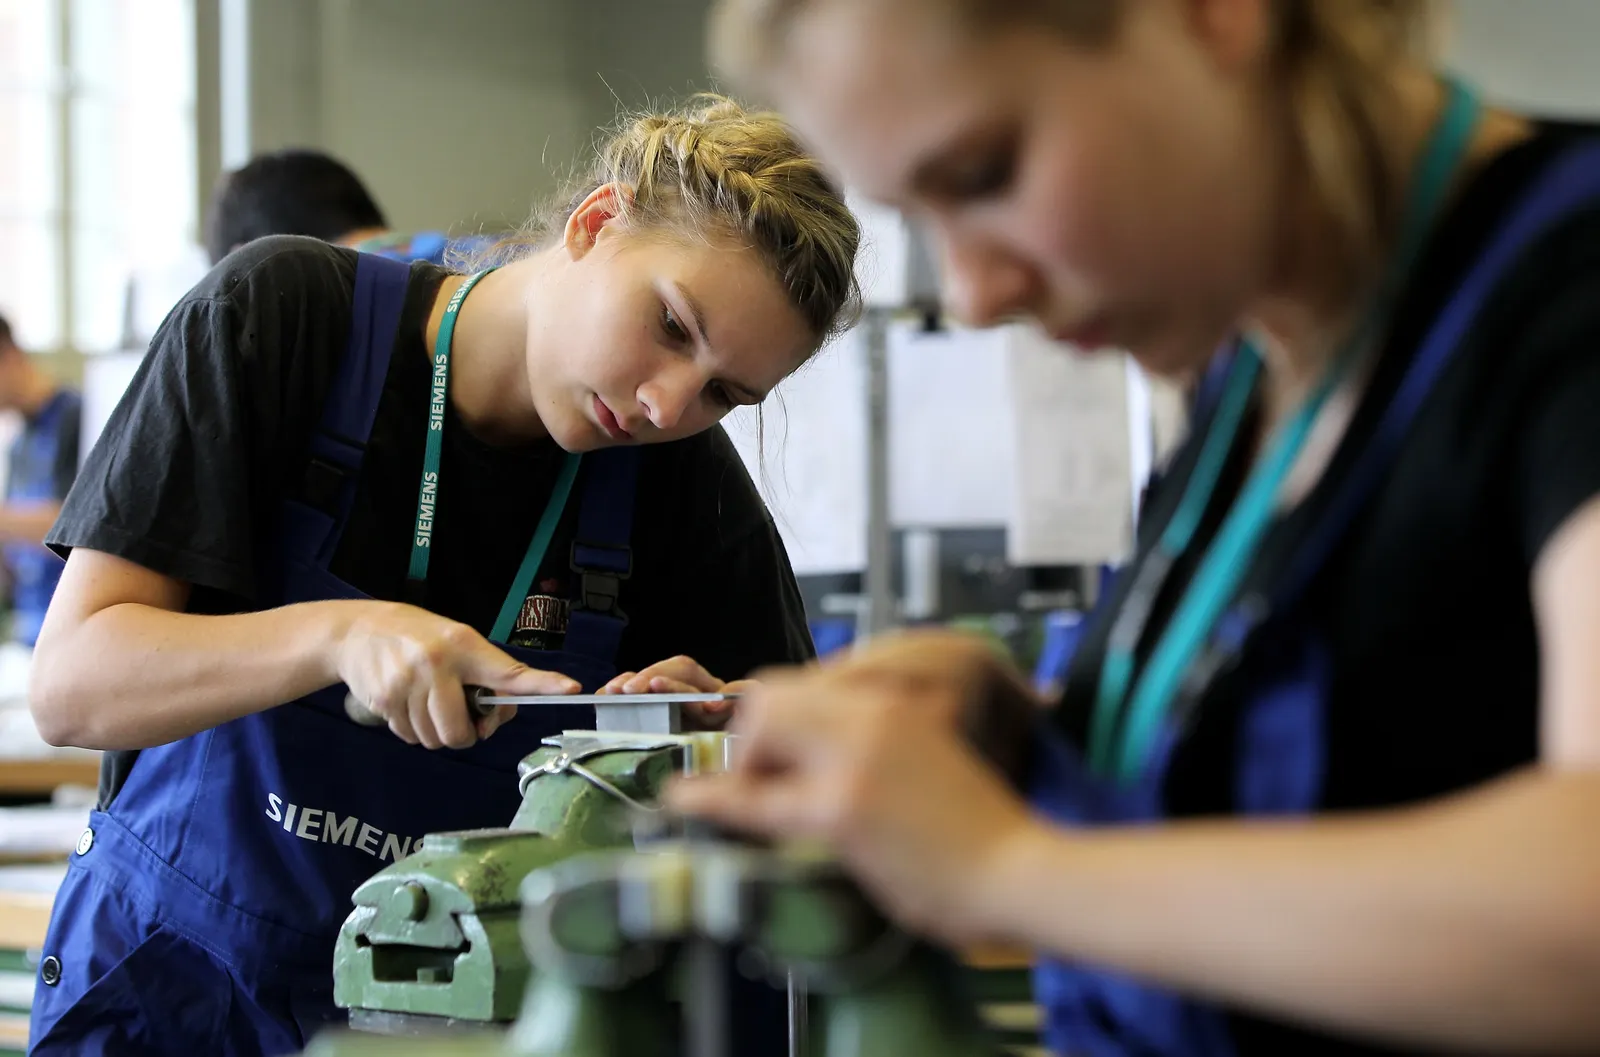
{"x": 713, "y": 170}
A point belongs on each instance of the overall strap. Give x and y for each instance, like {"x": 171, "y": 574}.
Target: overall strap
{"x": 1213, "y": 381}
{"x": 45, "y": 436}
{"x": 601, "y": 553}
{"x": 351, "y": 406}
{"x": 1571, "y": 183}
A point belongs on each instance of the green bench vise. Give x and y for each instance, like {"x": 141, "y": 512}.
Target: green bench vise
{"x": 628, "y": 948}
{"x": 433, "y": 942}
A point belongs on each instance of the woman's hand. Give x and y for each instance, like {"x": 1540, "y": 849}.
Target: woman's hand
{"x": 870, "y": 754}
{"x": 408, "y": 667}
{"x": 683, "y": 675}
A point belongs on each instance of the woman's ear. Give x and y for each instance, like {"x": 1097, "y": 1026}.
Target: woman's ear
{"x": 604, "y": 204}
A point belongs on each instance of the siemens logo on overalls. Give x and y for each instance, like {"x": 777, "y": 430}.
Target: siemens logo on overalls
{"x": 430, "y": 498}
{"x": 320, "y": 825}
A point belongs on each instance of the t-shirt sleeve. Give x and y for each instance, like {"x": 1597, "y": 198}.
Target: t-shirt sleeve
{"x": 193, "y": 464}
{"x": 1557, "y": 443}
{"x": 166, "y": 485}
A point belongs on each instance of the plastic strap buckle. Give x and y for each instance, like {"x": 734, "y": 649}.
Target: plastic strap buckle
{"x": 599, "y": 587}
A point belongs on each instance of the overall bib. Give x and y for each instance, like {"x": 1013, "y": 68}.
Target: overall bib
{"x": 35, "y": 570}
{"x": 200, "y": 912}
{"x": 1092, "y": 1012}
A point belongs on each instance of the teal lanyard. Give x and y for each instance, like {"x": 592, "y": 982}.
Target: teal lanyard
{"x": 1124, "y": 728}
{"x": 428, "y": 495}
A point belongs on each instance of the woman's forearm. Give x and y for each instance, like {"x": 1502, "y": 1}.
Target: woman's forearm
{"x": 131, "y": 676}
{"x": 1472, "y": 923}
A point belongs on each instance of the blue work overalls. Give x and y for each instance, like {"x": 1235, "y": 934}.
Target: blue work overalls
{"x": 35, "y": 570}
{"x": 200, "y": 912}
{"x": 435, "y": 247}
{"x": 1090, "y": 1012}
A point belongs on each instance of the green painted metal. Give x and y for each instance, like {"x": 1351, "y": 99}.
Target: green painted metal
{"x": 558, "y": 916}
{"x": 357, "y": 1044}
{"x": 611, "y": 932}
{"x": 600, "y": 926}
{"x": 563, "y": 1021}
{"x": 436, "y": 933}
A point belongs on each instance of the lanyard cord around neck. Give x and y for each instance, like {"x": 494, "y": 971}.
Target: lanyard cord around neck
{"x": 428, "y": 494}
{"x": 1126, "y": 725}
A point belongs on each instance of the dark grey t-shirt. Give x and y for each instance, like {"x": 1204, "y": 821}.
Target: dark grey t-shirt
{"x": 213, "y": 434}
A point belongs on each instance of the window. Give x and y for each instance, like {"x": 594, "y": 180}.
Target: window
{"x": 30, "y": 180}
{"x": 97, "y": 123}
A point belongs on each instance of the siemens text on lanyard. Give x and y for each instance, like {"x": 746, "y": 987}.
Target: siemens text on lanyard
{"x": 1128, "y": 719}
{"x": 428, "y": 495}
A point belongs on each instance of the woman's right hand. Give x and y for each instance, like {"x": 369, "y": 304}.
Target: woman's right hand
{"x": 408, "y": 667}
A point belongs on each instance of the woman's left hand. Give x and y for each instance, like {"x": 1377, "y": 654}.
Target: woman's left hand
{"x": 869, "y": 756}
{"x": 683, "y": 675}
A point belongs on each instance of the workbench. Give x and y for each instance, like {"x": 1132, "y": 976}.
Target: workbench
{"x": 34, "y": 844}
{"x": 26, "y": 893}
{"x": 39, "y": 777}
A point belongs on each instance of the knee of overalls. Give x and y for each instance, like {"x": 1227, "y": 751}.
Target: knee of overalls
{"x": 114, "y": 980}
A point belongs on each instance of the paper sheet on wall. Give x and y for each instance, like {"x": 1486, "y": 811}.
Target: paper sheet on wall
{"x": 988, "y": 428}
{"x": 950, "y": 455}
{"x": 895, "y": 268}
{"x": 1072, "y": 494}
{"x": 813, "y": 474}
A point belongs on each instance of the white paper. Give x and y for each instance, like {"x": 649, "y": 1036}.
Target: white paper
{"x": 813, "y": 474}
{"x": 1169, "y": 413}
{"x": 1073, "y": 492}
{"x": 992, "y": 428}
{"x": 895, "y": 268}
{"x": 1141, "y": 432}
{"x": 950, "y": 452}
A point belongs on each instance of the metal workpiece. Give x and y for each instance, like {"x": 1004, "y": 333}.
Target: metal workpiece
{"x": 635, "y": 713}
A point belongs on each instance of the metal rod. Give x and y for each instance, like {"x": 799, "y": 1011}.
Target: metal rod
{"x": 706, "y": 1007}
{"x": 480, "y": 703}
{"x": 878, "y": 578}
{"x": 599, "y": 699}
{"x": 797, "y": 1017}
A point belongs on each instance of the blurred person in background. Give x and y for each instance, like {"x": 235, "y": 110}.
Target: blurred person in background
{"x": 41, "y": 464}
{"x": 307, "y": 192}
